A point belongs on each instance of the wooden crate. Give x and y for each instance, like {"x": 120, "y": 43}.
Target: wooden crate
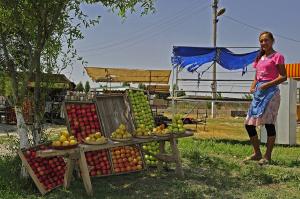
{"x": 102, "y": 169}
{"x": 77, "y": 124}
{"x": 132, "y": 110}
{"x": 114, "y": 110}
{"x": 133, "y": 115}
{"x": 116, "y": 164}
{"x": 47, "y": 173}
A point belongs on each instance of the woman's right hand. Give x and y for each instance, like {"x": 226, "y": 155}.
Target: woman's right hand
{"x": 252, "y": 90}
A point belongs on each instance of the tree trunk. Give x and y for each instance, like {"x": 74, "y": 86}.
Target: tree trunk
{"x": 37, "y": 100}
{"x": 23, "y": 134}
{"x": 22, "y": 128}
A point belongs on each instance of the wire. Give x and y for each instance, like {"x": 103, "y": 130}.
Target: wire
{"x": 143, "y": 32}
{"x": 221, "y": 80}
{"x": 259, "y": 29}
{"x": 168, "y": 27}
{"x": 224, "y": 72}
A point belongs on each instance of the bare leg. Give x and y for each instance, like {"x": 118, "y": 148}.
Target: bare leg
{"x": 270, "y": 145}
{"x": 255, "y": 143}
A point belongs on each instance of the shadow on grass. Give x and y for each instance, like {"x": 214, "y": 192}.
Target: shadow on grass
{"x": 205, "y": 176}
{"x": 244, "y": 142}
{"x": 232, "y": 141}
{"x": 199, "y": 182}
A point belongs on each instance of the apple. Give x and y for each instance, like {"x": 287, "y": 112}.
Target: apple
{"x": 141, "y": 109}
{"x": 177, "y": 124}
{"x": 46, "y": 169}
{"x": 98, "y": 162}
{"x": 125, "y": 159}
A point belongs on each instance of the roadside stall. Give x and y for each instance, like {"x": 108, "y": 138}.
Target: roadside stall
{"x": 111, "y": 134}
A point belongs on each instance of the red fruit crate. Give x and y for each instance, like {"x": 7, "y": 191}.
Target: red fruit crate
{"x": 82, "y": 119}
{"x": 127, "y": 159}
{"x": 47, "y": 173}
{"x": 98, "y": 163}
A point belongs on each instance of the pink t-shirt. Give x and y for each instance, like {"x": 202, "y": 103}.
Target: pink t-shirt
{"x": 266, "y": 69}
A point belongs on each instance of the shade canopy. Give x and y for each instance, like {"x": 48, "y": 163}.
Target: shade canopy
{"x": 192, "y": 58}
{"x": 103, "y": 74}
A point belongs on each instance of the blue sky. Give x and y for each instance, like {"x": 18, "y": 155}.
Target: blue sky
{"x": 146, "y": 42}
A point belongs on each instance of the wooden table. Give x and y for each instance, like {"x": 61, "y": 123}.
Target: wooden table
{"x": 78, "y": 155}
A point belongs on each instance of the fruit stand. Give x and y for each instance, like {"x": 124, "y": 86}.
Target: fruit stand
{"x": 79, "y": 154}
{"x": 110, "y": 135}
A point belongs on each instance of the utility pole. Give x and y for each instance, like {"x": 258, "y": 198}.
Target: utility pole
{"x": 216, "y": 14}
{"x": 214, "y": 83}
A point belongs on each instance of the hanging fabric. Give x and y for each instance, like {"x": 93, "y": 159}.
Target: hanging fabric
{"x": 191, "y": 58}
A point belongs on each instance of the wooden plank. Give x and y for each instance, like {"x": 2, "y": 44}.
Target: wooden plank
{"x": 69, "y": 172}
{"x": 162, "y": 150}
{"x": 85, "y": 174}
{"x": 112, "y": 144}
{"x": 176, "y": 155}
{"x": 113, "y": 112}
{"x": 39, "y": 185}
{"x": 54, "y": 152}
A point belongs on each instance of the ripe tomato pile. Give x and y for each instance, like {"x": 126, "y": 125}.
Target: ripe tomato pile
{"x": 49, "y": 171}
{"x": 83, "y": 120}
{"x": 98, "y": 162}
{"x": 126, "y": 159}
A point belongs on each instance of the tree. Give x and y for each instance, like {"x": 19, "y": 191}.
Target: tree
{"x": 125, "y": 84}
{"x": 142, "y": 86}
{"x": 33, "y": 34}
{"x": 179, "y": 93}
{"x": 79, "y": 87}
{"x": 87, "y": 87}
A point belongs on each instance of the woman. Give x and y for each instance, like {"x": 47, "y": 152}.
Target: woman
{"x": 270, "y": 72}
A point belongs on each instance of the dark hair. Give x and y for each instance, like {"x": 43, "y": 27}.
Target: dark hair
{"x": 262, "y": 52}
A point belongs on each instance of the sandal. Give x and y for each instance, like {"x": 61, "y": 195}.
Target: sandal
{"x": 252, "y": 158}
{"x": 264, "y": 161}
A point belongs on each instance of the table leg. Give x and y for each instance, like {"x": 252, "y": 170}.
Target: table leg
{"x": 69, "y": 172}
{"x": 161, "y": 151}
{"x": 176, "y": 155}
{"x": 85, "y": 173}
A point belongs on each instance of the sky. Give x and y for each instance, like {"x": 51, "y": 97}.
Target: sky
{"x": 145, "y": 42}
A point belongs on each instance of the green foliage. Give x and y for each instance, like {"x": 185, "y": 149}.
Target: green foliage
{"x": 5, "y": 85}
{"x": 79, "y": 87}
{"x": 142, "y": 86}
{"x": 180, "y": 92}
{"x": 125, "y": 84}
{"x": 213, "y": 169}
{"x": 162, "y": 95}
{"x": 87, "y": 87}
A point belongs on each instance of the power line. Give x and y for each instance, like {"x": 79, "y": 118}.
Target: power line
{"x": 220, "y": 80}
{"x": 221, "y": 72}
{"x": 169, "y": 26}
{"x": 143, "y": 32}
{"x": 225, "y": 92}
{"x": 259, "y": 29}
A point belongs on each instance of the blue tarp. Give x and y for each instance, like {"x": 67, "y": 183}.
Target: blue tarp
{"x": 191, "y": 58}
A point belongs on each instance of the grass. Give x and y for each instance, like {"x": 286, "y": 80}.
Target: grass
{"x": 213, "y": 169}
